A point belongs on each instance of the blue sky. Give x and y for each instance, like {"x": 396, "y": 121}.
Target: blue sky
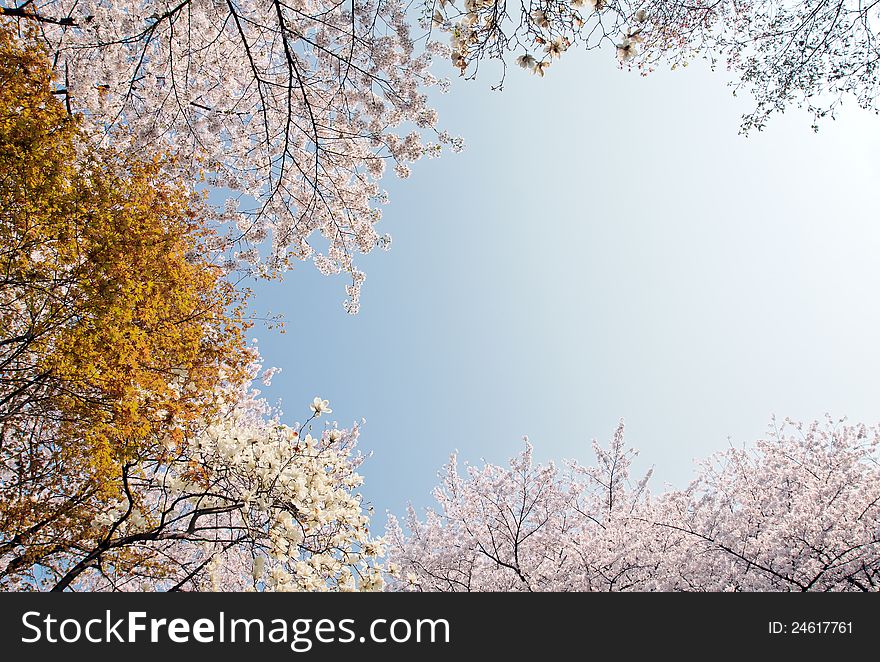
{"x": 606, "y": 247}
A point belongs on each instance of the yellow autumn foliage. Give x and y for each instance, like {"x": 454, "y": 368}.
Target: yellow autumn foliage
{"x": 116, "y": 327}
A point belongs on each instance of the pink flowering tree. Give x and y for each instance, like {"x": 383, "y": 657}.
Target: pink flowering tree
{"x": 295, "y": 107}
{"x": 799, "y": 511}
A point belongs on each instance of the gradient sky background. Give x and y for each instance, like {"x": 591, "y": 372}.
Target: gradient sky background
{"x": 606, "y": 247}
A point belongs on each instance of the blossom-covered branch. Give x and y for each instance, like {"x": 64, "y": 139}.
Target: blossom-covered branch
{"x": 294, "y": 107}
{"x": 812, "y": 53}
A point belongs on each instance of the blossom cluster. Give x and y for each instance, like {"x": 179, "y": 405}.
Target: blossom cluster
{"x": 539, "y": 31}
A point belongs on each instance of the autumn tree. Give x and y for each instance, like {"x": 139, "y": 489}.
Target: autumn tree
{"x": 799, "y": 511}
{"x": 116, "y": 326}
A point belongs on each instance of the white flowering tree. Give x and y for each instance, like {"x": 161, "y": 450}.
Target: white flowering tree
{"x": 296, "y": 107}
{"x": 810, "y": 53}
{"x": 800, "y": 511}
{"x": 246, "y": 503}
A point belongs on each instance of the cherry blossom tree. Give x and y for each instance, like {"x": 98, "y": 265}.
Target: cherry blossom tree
{"x": 799, "y": 511}
{"x": 294, "y": 107}
{"x": 809, "y": 53}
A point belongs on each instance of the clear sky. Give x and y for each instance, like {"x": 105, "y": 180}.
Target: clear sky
{"x": 606, "y": 247}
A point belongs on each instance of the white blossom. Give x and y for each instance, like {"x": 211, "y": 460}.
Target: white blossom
{"x": 320, "y": 406}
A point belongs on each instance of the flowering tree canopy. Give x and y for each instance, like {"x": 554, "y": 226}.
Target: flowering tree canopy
{"x": 294, "y": 106}
{"x": 799, "y": 512}
{"x": 810, "y": 53}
